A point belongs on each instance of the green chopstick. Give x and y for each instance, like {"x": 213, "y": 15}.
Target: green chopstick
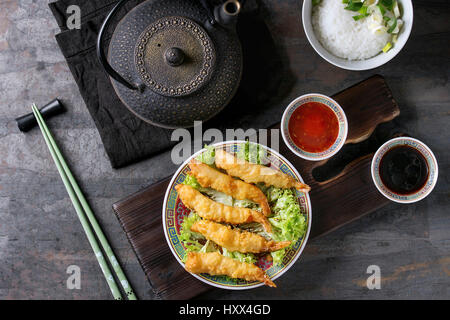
{"x": 77, "y": 197}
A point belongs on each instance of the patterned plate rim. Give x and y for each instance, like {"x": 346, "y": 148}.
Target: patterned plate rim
{"x": 281, "y": 271}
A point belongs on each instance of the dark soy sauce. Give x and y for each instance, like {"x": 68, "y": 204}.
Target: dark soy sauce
{"x": 403, "y": 170}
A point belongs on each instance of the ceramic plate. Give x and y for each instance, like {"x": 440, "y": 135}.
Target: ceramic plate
{"x": 174, "y": 212}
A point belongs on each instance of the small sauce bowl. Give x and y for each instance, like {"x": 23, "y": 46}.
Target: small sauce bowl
{"x": 298, "y": 124}
{"x": 426, "y": 156}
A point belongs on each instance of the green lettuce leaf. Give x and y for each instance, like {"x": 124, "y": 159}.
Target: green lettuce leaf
{"x": 218, "y": 196}
{"x": 191, "y": 181}
{"x": 253, "y": 153}
{"x": 242, "y": 257}
{"x": 213, "y": 194}
{"x": 207, "y": 156}
{"x": 288, "y": 220}
{"x": 256, "y": 227}
{"x": 190, "y": 238}
{"x": 246, "y": 204}
{"x": 273, "y": 194}
{"x": 209, "y": 247}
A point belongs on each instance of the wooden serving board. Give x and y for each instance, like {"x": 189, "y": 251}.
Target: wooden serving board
{"x": 336, "y": 201}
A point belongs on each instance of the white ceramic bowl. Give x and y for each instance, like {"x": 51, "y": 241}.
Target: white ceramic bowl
{"x": 429, "y": 158}
{"x": 330, "y": 103}
{"x": 371, "y": 63}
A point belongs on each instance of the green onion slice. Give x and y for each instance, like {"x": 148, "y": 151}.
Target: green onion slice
{"x": 382, "y": 9}
{"x": 387, "y": 47}
{"x": 363, "y": 9}
{"x": 389, "y": 4}
{"x": 353, "y": 5}
{"x": 392, "y": 25}
{"x": 360, "y": 16}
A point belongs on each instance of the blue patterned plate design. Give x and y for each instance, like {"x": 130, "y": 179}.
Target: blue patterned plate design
{"x": 428, "y": 156}
{"x": 174, "y": 212}
{"x": 330, "y": 103}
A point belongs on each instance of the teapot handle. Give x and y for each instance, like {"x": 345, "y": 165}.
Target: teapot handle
{"x": 209, "y": 11}
{"x": 102, "y": 57}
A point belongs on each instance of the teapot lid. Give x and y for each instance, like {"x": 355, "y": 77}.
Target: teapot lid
{"x": 174, "y": 56}
{"x": 185, "y": 68}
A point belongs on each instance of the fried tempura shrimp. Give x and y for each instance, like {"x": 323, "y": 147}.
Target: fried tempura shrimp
{"x": 254, "y": 173}
{"x": 211, "y": 210}
{"x": 236, "y": 240}
{"x": 214, "y": 263}
{"x": 210, "y": 177}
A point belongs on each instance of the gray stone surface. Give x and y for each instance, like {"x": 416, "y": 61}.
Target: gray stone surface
{"x": 40, "y": 235}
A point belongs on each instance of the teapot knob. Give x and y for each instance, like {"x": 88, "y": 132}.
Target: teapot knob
{"x": 174, "y": 56}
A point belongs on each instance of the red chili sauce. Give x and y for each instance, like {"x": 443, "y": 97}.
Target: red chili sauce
{"x": 313, "y": 127}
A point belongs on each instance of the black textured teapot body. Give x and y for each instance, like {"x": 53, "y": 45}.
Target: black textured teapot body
{"x": 172, "y": 62}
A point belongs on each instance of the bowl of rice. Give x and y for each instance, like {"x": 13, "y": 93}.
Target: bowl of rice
{"x": 357, "y": 34}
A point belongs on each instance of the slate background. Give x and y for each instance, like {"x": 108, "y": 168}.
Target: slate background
{"x": 40, "y": 235}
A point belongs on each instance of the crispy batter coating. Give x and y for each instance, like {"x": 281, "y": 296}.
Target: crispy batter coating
{"x": 210, "y": 177}
{"x": 236, "y": 240}
{"x": 216, "y": 264}
{"x": 254, "y": 173}
{"x": 211, "y": 210}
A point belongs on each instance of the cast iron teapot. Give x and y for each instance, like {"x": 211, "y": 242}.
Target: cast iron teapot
{"x": 174, "y": 61}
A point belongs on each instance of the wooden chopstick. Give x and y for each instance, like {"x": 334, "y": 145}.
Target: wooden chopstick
{"x": 82, "y": 208}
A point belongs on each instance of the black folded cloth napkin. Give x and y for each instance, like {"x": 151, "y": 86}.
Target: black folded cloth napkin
{"x": 126, "y": 138}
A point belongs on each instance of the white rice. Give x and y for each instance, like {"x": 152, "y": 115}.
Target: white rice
{"x": 341, "y": 35}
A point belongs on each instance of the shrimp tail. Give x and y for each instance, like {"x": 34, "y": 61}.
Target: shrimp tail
{"x": 275, "y": 246}
{"x": 302, "y": 187}
{"x": 268, "y": 282}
